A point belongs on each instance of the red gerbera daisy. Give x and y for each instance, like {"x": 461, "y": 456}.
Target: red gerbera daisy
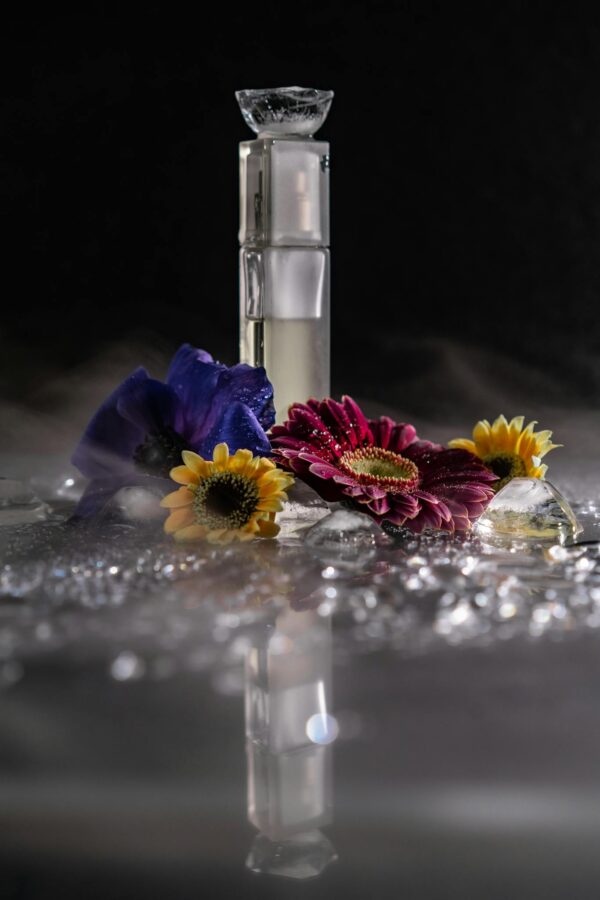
{"x": 381, "y": 466}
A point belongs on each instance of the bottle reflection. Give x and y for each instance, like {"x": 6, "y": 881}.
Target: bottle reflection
{"x": 289, "y": 732}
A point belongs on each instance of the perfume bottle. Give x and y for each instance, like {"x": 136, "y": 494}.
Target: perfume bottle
{"x": 284, "y": 238}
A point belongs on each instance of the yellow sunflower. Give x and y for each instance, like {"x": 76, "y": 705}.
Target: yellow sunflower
{"x": 508, "y": 449}
{"x": 227, "y": 498}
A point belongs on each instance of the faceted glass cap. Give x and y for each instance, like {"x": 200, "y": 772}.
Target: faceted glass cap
{"x": 528, "y": 509}
{"x": 284, "y": 110}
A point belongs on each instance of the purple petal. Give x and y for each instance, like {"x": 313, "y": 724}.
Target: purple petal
{"x": 150, "y": 406}
{"x": 239, "y": 428}
{"x": 183, "y": 360}
{"x": 100, "y": 492}
{"x": 109, "y": 440}
{"x": 250, "y": 386}
{"x": 194, "y": 377}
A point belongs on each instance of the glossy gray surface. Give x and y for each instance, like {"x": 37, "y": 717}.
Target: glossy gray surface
{"x": 467, "y": 761}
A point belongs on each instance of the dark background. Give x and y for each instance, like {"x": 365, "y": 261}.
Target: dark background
{"x": 465, "y": 191}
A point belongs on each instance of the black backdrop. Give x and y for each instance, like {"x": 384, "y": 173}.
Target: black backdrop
{"x": 465, "y": 180}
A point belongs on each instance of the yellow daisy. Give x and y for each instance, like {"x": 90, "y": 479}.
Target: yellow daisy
{"x": 508, "y": 449}
{"x": 227, "y": 498}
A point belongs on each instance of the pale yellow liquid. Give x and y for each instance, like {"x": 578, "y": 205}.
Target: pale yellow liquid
{"x": 295, "y": 353}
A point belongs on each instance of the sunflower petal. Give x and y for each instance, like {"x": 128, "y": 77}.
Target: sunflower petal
{"x": 198, "y": 466}
{"x": 184, "y": 475}
{"x": 181, "y": 497}
{"x": 191, "y": 533}
{"x": 463, "y": 444}
{"x": 221, "y": 456}
{"x": 268, "y": 528}
{"x": 179, "y": 518}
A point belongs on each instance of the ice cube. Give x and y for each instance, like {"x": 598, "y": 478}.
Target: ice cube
{"x": 528, "y": 509}
{"x": 303, "y": 509}
{"x": 345, "y": 539}
{"x": 19, "y": 505}
{"x": 138, "y": 504}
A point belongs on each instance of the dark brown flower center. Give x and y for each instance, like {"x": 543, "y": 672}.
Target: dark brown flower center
{"x": 506, "y": 466}
{"x": 387, "y": 470}
{"x": 225, "y": 500}
{"x": 160, "y": 452}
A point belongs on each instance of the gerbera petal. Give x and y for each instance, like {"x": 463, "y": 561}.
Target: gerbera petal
{"x": 357, "y": 419}
{"x": 379, "y": 505}
{"x": 337, "y": 416}
{"x": 381, "y": 430}
{"x": 427, "y": 517}
{"x": 305, "y": 424}
{"x": 406, "y": 505}
{"x": 374, "y": 492}
{"x": 323, "y": 470}
{"x": 402, "y": 436}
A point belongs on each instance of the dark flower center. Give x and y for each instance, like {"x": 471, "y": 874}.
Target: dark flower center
{"x": 506, "y": 466}
{"x": 225, "y": 500}
{"x": 372, "y": 465}
{"x": 160, "y": 452}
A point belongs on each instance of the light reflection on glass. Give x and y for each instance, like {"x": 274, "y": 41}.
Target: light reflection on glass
{"x": 289, "y": 733}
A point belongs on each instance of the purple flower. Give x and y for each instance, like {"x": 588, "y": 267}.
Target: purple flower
{"x": 139, "y": 432}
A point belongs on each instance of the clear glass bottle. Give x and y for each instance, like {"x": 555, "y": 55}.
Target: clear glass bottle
{"x": 284, "y": 238}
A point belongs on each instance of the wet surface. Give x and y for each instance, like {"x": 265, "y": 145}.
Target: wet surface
{"x": 426, "y": 706}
